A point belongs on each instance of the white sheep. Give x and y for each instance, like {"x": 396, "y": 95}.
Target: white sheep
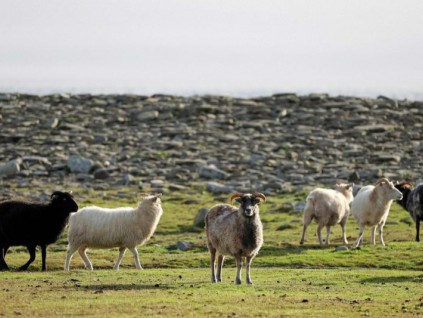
{"x": 235, "y": 231}
{"x": 96, "y": 227}
{"x": 328, "y": 207}
{"x": 371, "y": 207}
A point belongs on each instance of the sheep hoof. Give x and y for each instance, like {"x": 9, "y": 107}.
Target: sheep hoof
{"x": 4, "y": 268}
{"x": 301, "y": 242}
{"x": 238, "y": 282}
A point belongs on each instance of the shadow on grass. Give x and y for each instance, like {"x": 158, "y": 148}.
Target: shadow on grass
{"x": 118, "y": 287}
{"x": 393, "y": 279}
{"x": 289, "y": 249}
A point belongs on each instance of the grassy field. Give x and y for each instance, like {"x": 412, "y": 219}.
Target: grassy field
{"x": 289, "y": 280}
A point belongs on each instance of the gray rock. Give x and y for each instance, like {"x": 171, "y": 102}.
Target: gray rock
{"x": 157, "y": 183}
{"x": 147, "y": 115}
{"x": 184, "y": 246}
{"x": 211, "y": 172}
{"x": 342, "y": 248}
{"x": 127, "y": 179}
{"x": 177, "y": 187}
{"x": 218, "y": 187}
{"x": 78, "y": 164}
{"x": 10, "y": 168}
{"x": 299, "y": 207}
{"x": 101, "y": 173}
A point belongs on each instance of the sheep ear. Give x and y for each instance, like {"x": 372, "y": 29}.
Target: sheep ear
{"x": 156, "y": 197}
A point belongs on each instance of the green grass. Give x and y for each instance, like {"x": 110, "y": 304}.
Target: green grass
{"x": 278, "y": 292}
{"x": 290, "y": 280}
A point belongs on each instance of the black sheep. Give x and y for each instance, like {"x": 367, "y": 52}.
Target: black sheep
{"x": 412, "y": 201}
{"x": 33, "y": 224}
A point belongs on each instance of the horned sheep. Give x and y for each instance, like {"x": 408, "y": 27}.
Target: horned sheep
{"x": 371, "y": 205}
{"x": 126, "y": 228}
{"x": 235, "y": 231}
{"x": 328, "y": 207}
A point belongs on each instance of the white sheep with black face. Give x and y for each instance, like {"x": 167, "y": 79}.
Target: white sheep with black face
{"x": 328, "y": 207}
{"x": 371, "y": 206}
{"x": 126, "y": 228}
{"x": 235, "y": 231}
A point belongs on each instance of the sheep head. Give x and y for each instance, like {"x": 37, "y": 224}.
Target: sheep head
{"x": 64, "y": 201}
{"x": 389, "y": 189}
{"x": 346, "y": 189}
{"x": 405, "y": 188}
{"x": 249, "y": 202}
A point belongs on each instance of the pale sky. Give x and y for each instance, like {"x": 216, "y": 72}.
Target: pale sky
{"x": 240, "y": 47}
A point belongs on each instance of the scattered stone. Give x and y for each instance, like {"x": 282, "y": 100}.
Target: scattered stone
{"x": 79, "y": 164}
{"x": 184, "y": 246}
{"x": 299, "y": 207}
{"x": 342, "y": 248}
{"x": 218, "y": 187}
{"x": 211, "y": 172}
{"x": 101, "y": 173}
{"x": 272, "y": 144}
{"x": 10, "y": 168}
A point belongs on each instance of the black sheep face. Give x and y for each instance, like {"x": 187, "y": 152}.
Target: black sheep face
{"x": 249, "y": 205}
{"x": 405, "y": 189}
{"x": 64, "y": 201}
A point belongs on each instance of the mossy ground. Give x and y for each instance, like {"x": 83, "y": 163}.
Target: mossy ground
{"x": 290, "y": 280}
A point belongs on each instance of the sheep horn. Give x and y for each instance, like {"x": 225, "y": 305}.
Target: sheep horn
{"x": 381, "y": 181}
{"x": 406, "y": 183}
{"x": 260, "y": 195}
{"x": 236, "y": 195}
{"x": 55, "y": 193}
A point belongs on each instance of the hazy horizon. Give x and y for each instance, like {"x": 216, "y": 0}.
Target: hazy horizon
{"x": 238, "y": 48}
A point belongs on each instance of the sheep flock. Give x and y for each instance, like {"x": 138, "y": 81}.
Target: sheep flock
{"x": 235, "y": 231}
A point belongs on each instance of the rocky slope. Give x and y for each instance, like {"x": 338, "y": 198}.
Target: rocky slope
{"x": 272, "y": 144}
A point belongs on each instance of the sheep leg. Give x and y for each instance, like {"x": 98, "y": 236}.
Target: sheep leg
{"x": 31, "y": 250}
{"x": 374, "y": 235}
{"x": 122, "y": 251}
{"x": 381, "y": 235}
{"x": 344, "y": 232}
{"x": 360, "y": 236}
{"x": 307, "y": 221}
{"x": 327, "y": 234}
{"x": 43, "y": 257}
{"x": 212, "y": 263}
{"x": 136, "y": 257}
{"x": 238, "y": 269}
{"x": 319, "y": 233}
{"x": 248, "y": 261}
{"x": 417, "y": 229}
{"x": 3, "y": 265}
{"x": 71, "y": 250}
{"x": 5, "y": 249}
{"x": 220, "y": 260}
{"x": 83, "y": 253}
